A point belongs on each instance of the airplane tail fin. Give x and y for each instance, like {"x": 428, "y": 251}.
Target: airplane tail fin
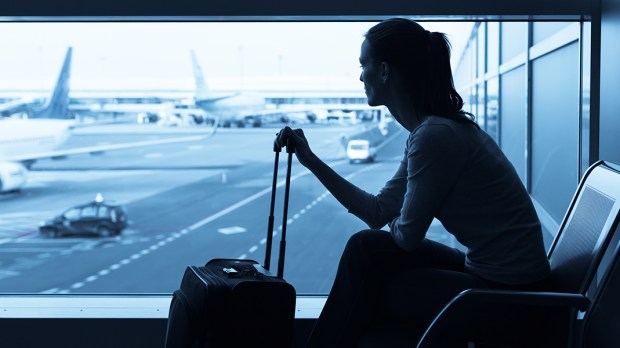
{"x": 202, "y": 91}
{"x": 58, "y": 105}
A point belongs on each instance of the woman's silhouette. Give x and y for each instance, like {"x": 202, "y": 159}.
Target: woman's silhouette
{"x": 451, "y": 171}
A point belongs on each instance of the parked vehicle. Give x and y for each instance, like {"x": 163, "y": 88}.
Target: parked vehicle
{"x": 97, "y": 217}
{"x": 359, "y": 150}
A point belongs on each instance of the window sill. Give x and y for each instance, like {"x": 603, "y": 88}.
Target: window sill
{"x": 114, "y": 306}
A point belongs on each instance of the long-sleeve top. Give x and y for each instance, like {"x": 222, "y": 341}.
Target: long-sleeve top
{"x": 455, "y": 172}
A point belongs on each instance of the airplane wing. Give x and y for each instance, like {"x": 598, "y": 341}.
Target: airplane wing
{"x": 98, "y": 149}
{"x": 14, "y": 104}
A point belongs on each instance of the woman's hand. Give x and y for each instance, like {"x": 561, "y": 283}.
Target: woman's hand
{"x": 297, "y": 137}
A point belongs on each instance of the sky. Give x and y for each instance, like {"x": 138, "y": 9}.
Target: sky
{"x": 233, "y": 55}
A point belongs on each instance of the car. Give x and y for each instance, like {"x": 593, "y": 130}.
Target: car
{"x": 97, "y": 217}
{"x": 360, "y": 150}
{"x": 148, "y": 117}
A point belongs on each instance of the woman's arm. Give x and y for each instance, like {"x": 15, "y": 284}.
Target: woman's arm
{"x": 364, "y": 205}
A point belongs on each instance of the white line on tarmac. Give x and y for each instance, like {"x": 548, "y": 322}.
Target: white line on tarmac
{"x": 312, "y": 204}
{"x": 30, "y": 250}
{"x": 243, "y": 202}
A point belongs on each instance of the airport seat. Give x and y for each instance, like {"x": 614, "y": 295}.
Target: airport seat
{"x": 569, "y": 313}
{"x": 600, "y": 322}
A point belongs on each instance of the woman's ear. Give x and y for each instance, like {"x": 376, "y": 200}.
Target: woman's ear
{"x": 385, "y": 71}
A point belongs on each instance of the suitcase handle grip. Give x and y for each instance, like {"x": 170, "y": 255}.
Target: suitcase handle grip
{"x": 290, "y": 146}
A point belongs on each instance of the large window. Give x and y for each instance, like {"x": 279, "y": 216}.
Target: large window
{"x": 537, "y": 104}
{"x": 168, "y": 141}
{"x": 513, "y": 106}
{"x": 555, "y": 129}
{"x": 157, "y": 147}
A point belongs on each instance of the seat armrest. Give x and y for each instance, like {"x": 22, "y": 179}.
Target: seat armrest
{"x": 474, "y": 308}
{"x": 536, "y": 298}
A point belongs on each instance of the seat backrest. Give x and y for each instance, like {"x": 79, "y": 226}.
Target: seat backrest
{"x": 586, "y": 229}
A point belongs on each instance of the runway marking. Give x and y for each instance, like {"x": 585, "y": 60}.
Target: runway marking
{"x": 153, "y": 155}
{"x": 50, "y": 291}
{"x": 231, "y": 230}
{"x": 68, "y": 241}
{"x": 120, "y": 264}
{"x": 310, "y": 205}
{"x": 29, "y": 250}
{"x": 243, "y": 202}
{"x": 205, "y": 221}
{"x": 7, "y": 274}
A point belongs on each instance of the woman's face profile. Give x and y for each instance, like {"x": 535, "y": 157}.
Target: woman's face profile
{"x": 370, "y": 76}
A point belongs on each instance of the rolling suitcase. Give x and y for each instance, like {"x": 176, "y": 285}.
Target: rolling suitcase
{"x": 236, "y": 303}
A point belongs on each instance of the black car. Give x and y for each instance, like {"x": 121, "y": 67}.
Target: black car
{"x": 96, "y": 217}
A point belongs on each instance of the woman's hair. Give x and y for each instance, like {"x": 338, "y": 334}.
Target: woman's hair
{"x": 423, "y": 58}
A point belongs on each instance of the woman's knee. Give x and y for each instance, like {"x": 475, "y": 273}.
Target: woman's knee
{"x": 368, "y": 236}
{"x": 367, "y": 242}
{"x": 379, "y": 246}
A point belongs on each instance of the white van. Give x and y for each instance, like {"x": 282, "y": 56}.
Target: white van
{"x": 359, "y": 150}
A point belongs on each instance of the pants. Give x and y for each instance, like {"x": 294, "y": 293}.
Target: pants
{"x": 369, "y": 261}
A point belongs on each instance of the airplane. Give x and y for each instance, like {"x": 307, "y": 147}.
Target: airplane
{"x": 229, "y": 109}
{"x": 250, "y": 108}
{"x": 26, "y": 140}
{"x": 56, "y": 109}
{"x": 46, "y": 129}
{"x": 14, "y": 106}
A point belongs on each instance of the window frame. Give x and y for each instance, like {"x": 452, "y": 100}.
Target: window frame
{"x": 156, "y": 306}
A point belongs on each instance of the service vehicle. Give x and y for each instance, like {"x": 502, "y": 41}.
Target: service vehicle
{"x": 360, "y": 150}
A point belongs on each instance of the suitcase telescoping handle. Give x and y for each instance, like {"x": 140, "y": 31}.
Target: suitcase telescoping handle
{"x": 267, "y": 263}
{"x": 290, "y": 149}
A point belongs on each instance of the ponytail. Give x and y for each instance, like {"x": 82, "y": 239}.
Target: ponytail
{"x": 442, "y": 99}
